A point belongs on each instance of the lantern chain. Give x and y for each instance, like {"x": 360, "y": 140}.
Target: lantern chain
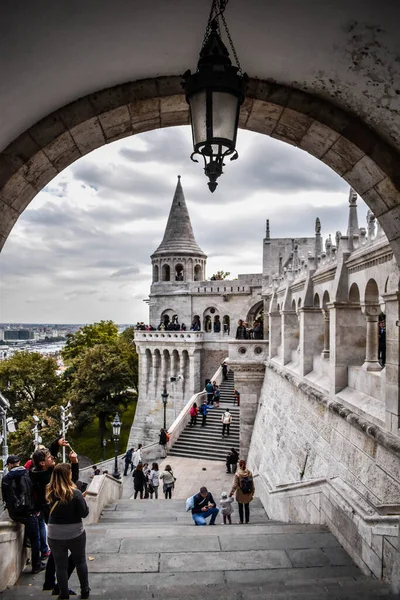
{"x": 217, "y": 10}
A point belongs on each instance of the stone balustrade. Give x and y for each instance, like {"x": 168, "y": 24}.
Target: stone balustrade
{"x": 248, "y": 350}
{"x": 103, "y": 490}
{"x": 169, "y": 336}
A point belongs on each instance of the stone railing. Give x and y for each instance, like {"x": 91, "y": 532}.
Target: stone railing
{"x": 248, "y": 350}
{"x": 102, "y": 490}
{"x": 182, "y": 419}
{"x": 168, "y": 336}
{"x": 12, "y": 552}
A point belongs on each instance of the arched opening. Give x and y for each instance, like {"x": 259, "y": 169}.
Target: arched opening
{"x": 217, "y": 324}
{"x": 165, "y": 366}
{"x": 207, "y": 324}
{"x": 166, "y": 272}
{"x": 157, "y": 370}
{"x": 226, "y": 324}
{"x": 316, "y": 302}
{"x": 354, "y": 294}
{"x": 176, "y": 363}
{"x": 196, "y": 323}
{"x": 155, "y": 273}
{"x": 372, "y": 311}
{"x": 179, "y": 272}
{"x": 198, "y": 273}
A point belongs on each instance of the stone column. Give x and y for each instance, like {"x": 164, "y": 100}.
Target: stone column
{"x": 392, "y": 383}
{"x": 347, "y": 342}
{"x": 311, "y": 336}
{"x": 156, "y": 379}
{"x": 274, "y": 335}
{"x": 195, "y": 370}
{"x": 326, "y": 350}
{"x": 290, "y": 333}
{"x": 249, "y": 378}
{"x": 371, "y": 362}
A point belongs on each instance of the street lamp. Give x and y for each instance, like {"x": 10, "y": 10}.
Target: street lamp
{"x": 116, "y": 425}
{"x": 214, "y": 94}
{"x": 164, "y": 397}
{"x": 65, "y": 423}
{"x": 7, "y": 424}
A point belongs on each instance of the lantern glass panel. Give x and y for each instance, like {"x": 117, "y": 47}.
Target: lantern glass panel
{"x": 198, "y": 114}
{"x": 224, "y": 107}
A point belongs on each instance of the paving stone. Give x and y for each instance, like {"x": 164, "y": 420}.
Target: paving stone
{"x": 227, "y": 561}
{"x": 309, "y": 557}
{"x": 337, "y": 556}
{"x": 166, "y": 544}
{"x": 280, "y": 542}
{"x": 315, "y": 574}
{"x": 124, "y": 563}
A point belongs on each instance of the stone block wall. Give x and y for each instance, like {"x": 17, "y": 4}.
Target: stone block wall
{"x": 314, "y": 464}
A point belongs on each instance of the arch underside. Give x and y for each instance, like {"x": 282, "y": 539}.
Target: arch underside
{"x": 338, "y": 139}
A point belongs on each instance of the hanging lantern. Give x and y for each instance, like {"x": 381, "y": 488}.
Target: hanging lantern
{"x": 214, "y": 94}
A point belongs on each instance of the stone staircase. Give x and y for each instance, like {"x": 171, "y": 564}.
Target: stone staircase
{"x": 207, "y": 442}
{"x": 150, "y": 549}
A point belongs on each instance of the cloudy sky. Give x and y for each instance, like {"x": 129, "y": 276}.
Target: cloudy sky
{"x": 81, "y": 251}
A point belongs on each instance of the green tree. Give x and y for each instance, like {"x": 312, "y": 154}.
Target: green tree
{"x": 30, "y": 382}
{"x": 102, "y": 382}
{"x": 128, "y": 349}
{"x": 220, "y": 275}
{"x": 104, "y": 332}
{"x": 22, "y": 441}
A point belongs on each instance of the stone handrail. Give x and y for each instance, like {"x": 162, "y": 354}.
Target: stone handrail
{"x": 170, "y": 336}
{"x": 12, "y": 552}
{"x": 102, "y": 490}
{"x": 182, "y": 419}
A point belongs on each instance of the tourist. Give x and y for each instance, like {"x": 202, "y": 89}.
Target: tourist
{"x": 210, "y": 393}
{"x": 224, "y": 371}
{"x": 243, "y": 485}
{"x": 146, "y": 471}
{"x": 128, "y": 461}
{"x": 17, "y": 493}
{"x": 168, "y": 481}
{"x": 226, "y": 420}
{"x": 67, "y": 508}
{"x": 236, "y": 397}
{"x": 139, "y": 481}
{"x": 96, "y": 471}
{"x": 382, "y": 342}
{"x": 241, "y": 331}
{"x": 163, "y": 440}
{"x": 43, "y": 466}
{"x": 204, "y": 408}
{"x": 257, "y": 331}
{"x": 204, "y": 506}
{"x": 137, "y": 457}
{"x": 217, "y": 396}
{"x": 226, "y": 508}
{"x": 193, "y": 414}
{"x": 232, "y": 461}
{"x": 154, "y": 481}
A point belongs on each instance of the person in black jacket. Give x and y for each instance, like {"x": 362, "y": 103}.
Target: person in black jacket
{"x": 17, "y": 493}
{"x": 43, "y": 467}
{"x": 204, "y": 506}
{"x": 232, "y": 460}
{"x": 139, "y": 481}
{"x": 65, "y": 530}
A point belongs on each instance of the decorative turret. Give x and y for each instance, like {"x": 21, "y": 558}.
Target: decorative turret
{"x": 318, "y": 240}
{"x": 178, "y": 257}
{"x": 353, "y": 230}
{"x": 267, "y": 232}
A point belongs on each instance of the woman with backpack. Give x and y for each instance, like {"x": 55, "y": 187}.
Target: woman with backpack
{"x": 243, "y": 485}
{"x": 139, "y": 481}
{"x": 65, "y": 529}
{"x": 168, "y": 481}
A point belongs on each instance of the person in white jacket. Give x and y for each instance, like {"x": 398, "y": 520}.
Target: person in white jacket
{"x": 137, "y": 456}
{"x": 226, "y": 421}
{"x": 154, "y": 481}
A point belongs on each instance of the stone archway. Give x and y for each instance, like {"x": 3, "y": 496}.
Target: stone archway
{"x": 339, "y": 139}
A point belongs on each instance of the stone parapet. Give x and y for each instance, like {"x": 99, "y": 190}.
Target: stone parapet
{"x": 245, "y": 351}
{"x": 12, "y": 553}
{"x": 159, "y": 337}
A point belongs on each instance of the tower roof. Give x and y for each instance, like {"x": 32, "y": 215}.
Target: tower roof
{"x": 178, "y": 237}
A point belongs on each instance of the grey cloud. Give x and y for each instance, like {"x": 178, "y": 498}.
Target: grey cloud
{"x": 167, "y": 146}
{"x": 124, "y": 272}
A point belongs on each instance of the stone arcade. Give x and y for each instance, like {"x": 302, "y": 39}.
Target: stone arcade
{"x": 319, "y": 416}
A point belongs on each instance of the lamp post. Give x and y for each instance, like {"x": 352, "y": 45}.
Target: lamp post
{"x": 164, "y": 397}
{"x": 214, "y": 94}
{"x": 104, "y": 448}
{"x": 65, "y": 424}
{"x": 116, "y": 425}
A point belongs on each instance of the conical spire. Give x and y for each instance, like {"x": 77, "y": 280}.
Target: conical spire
{"x": 178, "y": 237}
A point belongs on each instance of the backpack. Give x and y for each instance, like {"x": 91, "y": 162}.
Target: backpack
{"x": 246, "y": 485}
{"x": 20, "y": 497}
{"x": 189, "y": 503}
{"x": 202, "y": 409}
